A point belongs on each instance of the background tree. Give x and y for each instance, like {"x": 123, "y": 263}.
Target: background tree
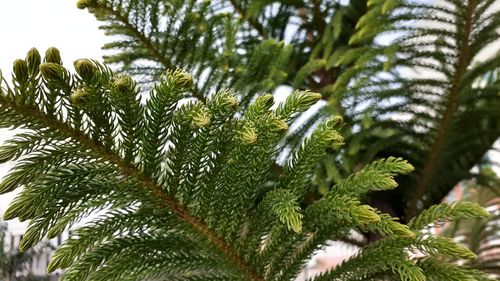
{"x": 14, "y": 262}
{"x": 481, "y": 235}
{"x": 416, "y": 96}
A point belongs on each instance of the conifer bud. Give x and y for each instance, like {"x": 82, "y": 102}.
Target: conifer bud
{"x": 334, "y": 138}
{"x": 400, "y": 166}
{"x": 365, "y": 214}
{"x": 466, "y": 209}
{"x": 52, "y": 71}
{"x": 298, "y": 101}
{"x": 264, "y": 102}
{"x": 82, "y": 4}
{"x": 201, "y": 119}
{"x": 248, "y": 135}
{"x": 402, "y": 230}
{"x": 388, "y": 182}
{"x": 195, "y": 115}
{"x": 52, "y": 55}
{"x": 223, "y": 103}
{"x": 33, "y": 59}
{"x": 224, "y": 100}
{"x": 77, "y": 96}
{"x": 279, "y": 125}
{"x": 334, "y": 121}
{"x": 261, "y": 105}
{"x": 230, "y": 100}
{"x": 452, "y": 249}
{"x": 307, "y": 98}
{"x": 124, "y": 84}
{"x": 296, "y": 226}
{"x": 85, "y": 68}
{"x": 182, "y": 79}
{"x": 21, "y": 71}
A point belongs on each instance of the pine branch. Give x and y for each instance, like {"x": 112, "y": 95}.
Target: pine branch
{"x": 201, "y": 178}
{"x": 132, "y": 172}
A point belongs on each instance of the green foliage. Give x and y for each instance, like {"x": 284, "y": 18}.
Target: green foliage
{"x": 184, "y": 189}
{"x": 427, "y": 94}
{"x": 215, "y": 45}
{"x": 185, "y": 173}
{"x": 414, "y": 96}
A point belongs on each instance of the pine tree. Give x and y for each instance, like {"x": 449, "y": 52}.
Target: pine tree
{"x": 184, "y": 172}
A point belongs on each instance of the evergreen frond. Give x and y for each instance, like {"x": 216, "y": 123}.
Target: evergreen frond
{"x": 185, "y": 190}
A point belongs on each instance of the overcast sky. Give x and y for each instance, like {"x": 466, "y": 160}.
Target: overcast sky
{"x": 42, "y": 24}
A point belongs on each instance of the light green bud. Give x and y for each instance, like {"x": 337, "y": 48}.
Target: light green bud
{"x": 85, "y": 68}
{"x": 182, "y": 79}
{"x": 402, "y": 230}
{"x": 77, "y": 96}
{"x": 52, "y": 71}
{"x": 201, "y": 119}
{"x": 334, "y": 138}
{"x": 20, "y": 70}
{"x": 33, "y": 59}
{"x": 365, "y": 214}
{"x": 82, "y": 4}
{"x": 52, "y": 55}
{"x": 224, "y": 99}
{"x": 279, "y": 125}
{"x": 466, "y": 209}
{"x": 124, "y": 84}
{"x": 307, "y": 98}
{"x": 230, "y": 101}
{"x": 334, "y": 121}
{"x": 265, "y": 101}
{"x": 248, "y": 135}
{"x": 454, "y": 249}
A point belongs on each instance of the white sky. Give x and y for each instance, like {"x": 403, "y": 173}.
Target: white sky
{"x": 42, "y": 24}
